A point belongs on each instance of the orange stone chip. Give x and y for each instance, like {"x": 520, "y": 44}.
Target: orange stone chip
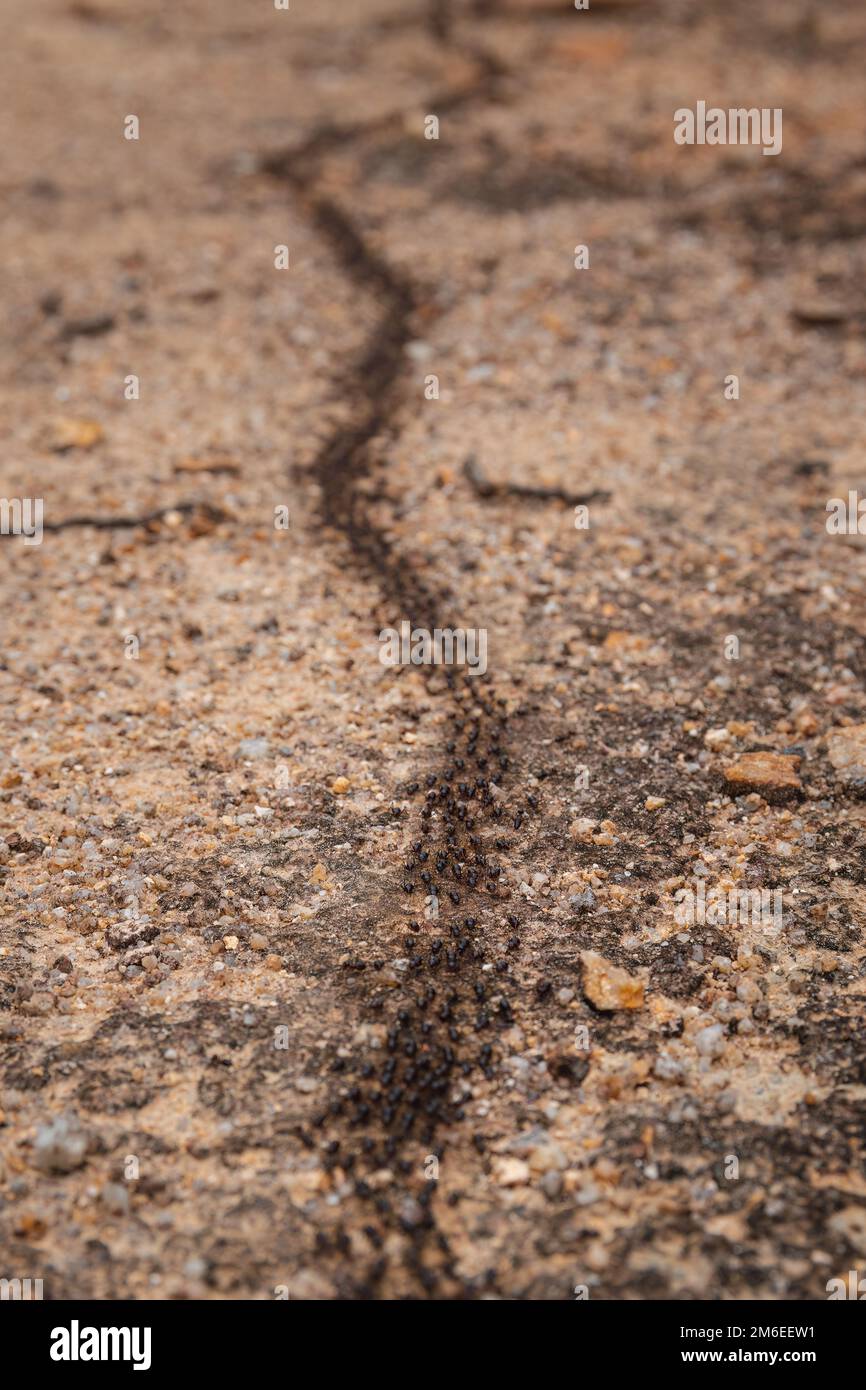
{"x": 771, "y": 774}
{"x": 607, "y": 986}
{"x": 75, "y": 434}
{"x": 618, "y": 641}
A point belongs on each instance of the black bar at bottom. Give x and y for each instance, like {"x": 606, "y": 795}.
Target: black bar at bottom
{"x": 258, "y": 1338}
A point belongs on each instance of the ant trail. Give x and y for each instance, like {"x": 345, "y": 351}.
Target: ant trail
{"x": 392, "y": 1115}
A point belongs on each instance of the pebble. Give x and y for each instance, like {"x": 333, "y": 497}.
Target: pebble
{"x": 61, "y": 1145}
{"x": 510, "y": 1172}
{"x": 418, "y": 350}
{"x": 115, "y": 1197}
{"x": 846, "y": 749}
{"x": 75, "y": 434}
{"x": 710, "y": 1042}
{"x": 820, "y": 312}
{"x": 805, "y": 722}
{"x": 850, "y": 1224}
{"x": 551, "y": 1184}
{"x": 411, "y": 1212}
{"x": 668, "y": 1068}
{"x": 529, "y": 1141}
{"x": 608, "y": 987}
{"x": 253, "y": 748}
{"x": 340, "y": 786}
{"x": 547, "y": 1158}
{"x": 714, "y": 738}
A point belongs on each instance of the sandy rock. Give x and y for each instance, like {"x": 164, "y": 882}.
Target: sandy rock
{"x": 638, "y": 645}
